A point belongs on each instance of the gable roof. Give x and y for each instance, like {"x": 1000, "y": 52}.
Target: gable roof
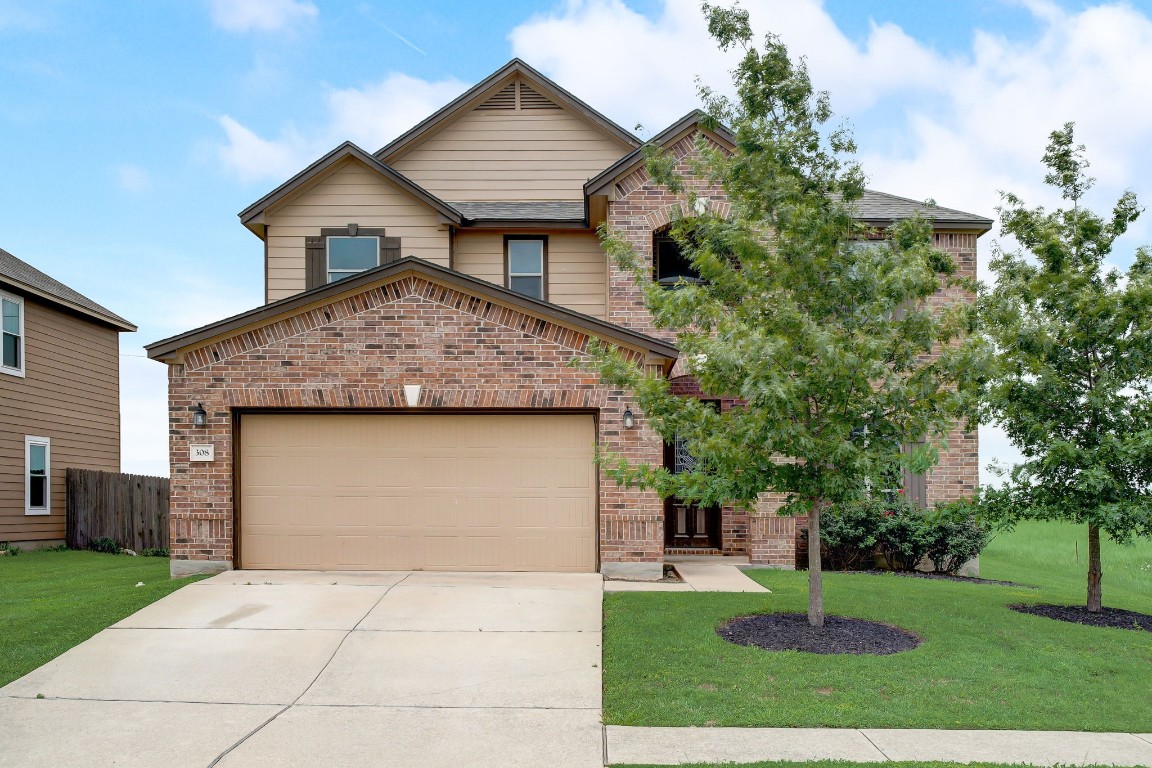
{"x": 410, "y": 264}
{"x": 669, "y": 135}
{"x": 478, "y": 92}
{"x": 23, "y": 276}
{"x": 250, "y": 216}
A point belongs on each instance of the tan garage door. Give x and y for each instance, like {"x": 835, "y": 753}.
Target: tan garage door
{"x": 443, "y": 492}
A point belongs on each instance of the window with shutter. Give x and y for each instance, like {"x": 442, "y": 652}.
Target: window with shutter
{"x": 340, "y": 252}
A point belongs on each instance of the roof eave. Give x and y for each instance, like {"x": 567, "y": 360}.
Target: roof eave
{"x": 165, "y": 348}
{"x": 111, "y": 319}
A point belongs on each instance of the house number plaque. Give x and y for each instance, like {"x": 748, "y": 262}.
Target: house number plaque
{"x": 201, "y": 452}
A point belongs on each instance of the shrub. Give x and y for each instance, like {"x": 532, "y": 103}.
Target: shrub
{"x": 957, "y": 535}
{"x": 104, "y": 544}
{"x": 11, "y": 550}
{"x": 154, "y": 552}
{"x": 848, "y": 534}
{"x": 904, "y": 535}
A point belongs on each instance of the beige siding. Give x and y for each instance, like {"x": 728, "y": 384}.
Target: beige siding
{"x": 70, "y": 394}
{"x": 350, "y": 192}
{"x": 511, "y": 155}
{"x": 577, "y": 267}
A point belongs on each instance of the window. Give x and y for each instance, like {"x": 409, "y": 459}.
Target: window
{"x": 525, "y": 259}
{"x": 37, "y": 475}
{"x": 340, "y": 252}
{"x": 12, "y": 346}
{"x": 349, "y": 255}
{"x": 669, "y": 264}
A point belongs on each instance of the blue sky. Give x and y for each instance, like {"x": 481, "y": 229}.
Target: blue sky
{"x": 131, "y": 133}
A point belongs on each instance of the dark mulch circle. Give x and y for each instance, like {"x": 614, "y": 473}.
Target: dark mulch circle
{"x": 1116, "y": 618}
{"x": 791, "y": 632}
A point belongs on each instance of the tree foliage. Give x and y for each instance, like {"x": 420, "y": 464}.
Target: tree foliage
{"x": 1074, "y": 390}
{"x": 823, "y": 335}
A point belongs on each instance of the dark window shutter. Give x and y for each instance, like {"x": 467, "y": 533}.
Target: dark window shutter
{"x": 389, "y": 249}
{"x": 915, "y": 485}
{"x": 315, "y": 262}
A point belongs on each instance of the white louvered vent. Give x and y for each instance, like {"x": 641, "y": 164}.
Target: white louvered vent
{"x": 504, "y": 99}
{"x": 530, "y": 99}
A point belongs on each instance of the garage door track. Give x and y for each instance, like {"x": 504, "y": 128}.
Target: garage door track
{"x": 276, "y": 668}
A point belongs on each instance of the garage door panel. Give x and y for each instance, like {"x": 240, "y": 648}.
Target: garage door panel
{"x": 458, "y": 492}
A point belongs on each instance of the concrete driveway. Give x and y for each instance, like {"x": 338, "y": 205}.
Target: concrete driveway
{"x": 262, "y": 668}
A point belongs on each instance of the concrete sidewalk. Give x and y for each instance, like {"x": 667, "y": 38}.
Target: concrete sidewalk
{"x": 675, "y": 746}
{"x": 699, "y": 574}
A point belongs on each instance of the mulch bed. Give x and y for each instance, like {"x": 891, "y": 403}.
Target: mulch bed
{"x": 944, "y": 577}
{"x": 790, "y": 632}
{"x": 1116, "y": 618}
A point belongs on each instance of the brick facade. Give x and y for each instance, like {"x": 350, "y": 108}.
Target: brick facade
{"x": 642, "y": 208}
{"x": 357, "y": 353}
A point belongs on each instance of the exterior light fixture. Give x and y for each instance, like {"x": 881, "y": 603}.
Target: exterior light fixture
{"x": 199, "y": 416}
{"x": 412, "y": 395}
{"x": 629, "y": 419}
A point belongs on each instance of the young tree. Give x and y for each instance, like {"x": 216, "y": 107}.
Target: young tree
{"x": 822, "y": 334}
{"x": 1074, "y": 391}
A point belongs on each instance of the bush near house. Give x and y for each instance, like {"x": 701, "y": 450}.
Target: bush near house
{"x": 905, "y": 538}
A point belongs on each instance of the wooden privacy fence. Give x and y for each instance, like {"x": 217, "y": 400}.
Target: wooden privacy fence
{"x": 132, "y": 510}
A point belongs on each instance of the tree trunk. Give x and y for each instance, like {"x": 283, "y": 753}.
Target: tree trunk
{"x": 1095, "y": 572}
{"x": 815, "y": 583}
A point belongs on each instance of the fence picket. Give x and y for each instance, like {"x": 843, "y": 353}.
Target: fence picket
{"x": 130, "y": 509}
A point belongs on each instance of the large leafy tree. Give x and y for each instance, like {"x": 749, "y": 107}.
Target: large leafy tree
{"x": 823, "y": 335}
{"x": 1074, "y": 391}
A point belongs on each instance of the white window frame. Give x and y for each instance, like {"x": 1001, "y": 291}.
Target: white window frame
{"x": 18, "y": 371}
{"x": 328, "y": 271}
{"x": 29, "y": 441}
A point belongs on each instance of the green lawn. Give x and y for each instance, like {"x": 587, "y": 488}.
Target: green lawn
{"x": 980, "y": 665}
{"x": 51, "y": 601}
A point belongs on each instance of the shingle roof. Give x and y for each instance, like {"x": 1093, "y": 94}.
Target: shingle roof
{"x": 21, "y": 274}
{"x": 883, "y": 207}
{"x": 548, "y": 210}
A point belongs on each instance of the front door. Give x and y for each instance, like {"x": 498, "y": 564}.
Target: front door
{"x": 687, "y": 525}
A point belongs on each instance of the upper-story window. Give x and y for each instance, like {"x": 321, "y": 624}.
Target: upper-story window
{"x": 349, "y": 255}
{"x": 12, "y": 333}
{"x": 340, "y": 252}
{"x": 670, "y": 265}
{"x": 525, "y": 260}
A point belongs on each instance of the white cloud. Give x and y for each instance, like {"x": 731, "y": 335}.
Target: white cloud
{"x": 133, "y": 178}
{"x": 369, "y": 116}
{"x": 260, "y": 15}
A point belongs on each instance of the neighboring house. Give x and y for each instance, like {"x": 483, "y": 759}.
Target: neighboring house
{"x": 59, "y": 398}
{"x": 405, "y": 398}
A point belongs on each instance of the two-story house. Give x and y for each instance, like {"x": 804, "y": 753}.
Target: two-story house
{"x": 405, "y": 398}
{"x": 59, "y": 398}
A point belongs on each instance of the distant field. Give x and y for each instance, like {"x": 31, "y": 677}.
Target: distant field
{"x": 1055, "y": 555}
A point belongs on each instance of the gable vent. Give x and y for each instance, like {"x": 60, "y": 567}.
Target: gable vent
{"x": 504, "y": 99}
{"x": 530, "y": 99}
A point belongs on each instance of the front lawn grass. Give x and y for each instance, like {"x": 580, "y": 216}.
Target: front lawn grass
{"x": 980, "y": 666}
{"x": 52, "y": 601}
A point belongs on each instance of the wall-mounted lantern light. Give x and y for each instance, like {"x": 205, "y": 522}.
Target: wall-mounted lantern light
{"x": 629, "y": 419}
{"x": 199, "y": 416}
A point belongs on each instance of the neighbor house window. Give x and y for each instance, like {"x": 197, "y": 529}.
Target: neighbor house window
{"x": 37, "y": 475}
{"x": 349, "y": 255}
{"x": 12, "y": 345}
{"x": 669, "y": 264}
{"x": 525, "y": 259}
